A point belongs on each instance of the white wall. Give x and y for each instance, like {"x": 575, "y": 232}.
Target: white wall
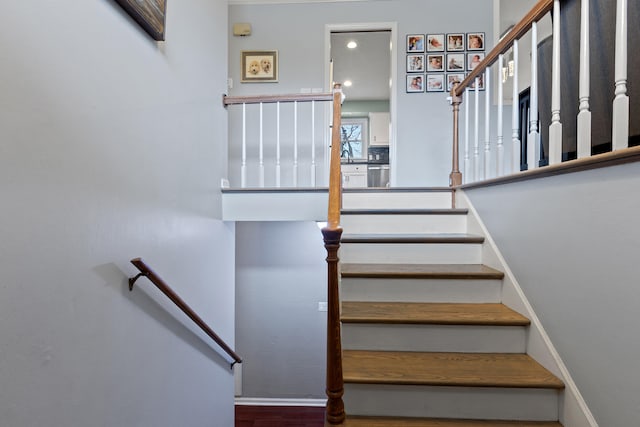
{"x": 112, "y": 149}
{"x": 423, "y": 149}
{"x": 572, "y": 243}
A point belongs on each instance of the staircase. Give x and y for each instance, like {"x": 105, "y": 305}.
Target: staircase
{"x": 426, "y": 340}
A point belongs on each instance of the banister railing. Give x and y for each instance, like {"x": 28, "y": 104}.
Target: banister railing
{"x": 542, "y": 146}
{"x": 285, "y": 137}
{"x": 146, "y": 271}
{"x": 332, "y": 234}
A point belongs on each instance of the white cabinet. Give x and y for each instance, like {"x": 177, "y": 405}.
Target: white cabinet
{"x": 379, "y": 128}
{"x": 354, "y": 176}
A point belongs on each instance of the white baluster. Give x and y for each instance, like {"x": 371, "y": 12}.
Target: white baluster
{"x": 487, "y": 125}
{"x": 584, "y": 115}
{"x": 499, "y": 142}
{"x": 295, "y": 144}
{"x": 243, "y": 166}
{"x": 261, "y": 172}
{"x": 313, "y": 143}
{"x": 278, "y": 144}
{"x": 620, "y": 132}
{"x": 555, "y": 129}
{"x": 476, "y": 146}
{"x": 467, "y": 161}
{"x": 515, "y": 113}
{"x": 533, "y": 141}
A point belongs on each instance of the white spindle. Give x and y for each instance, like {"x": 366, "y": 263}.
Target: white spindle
{"x": 515, "y": 113}
{"x": 467, "y": 161}
{"x": 243, "y": 167}
{"x": 620, "y": 132}
{"x": 499, "y": 142}
{"x": 261, "y": 172}
{"x": 476, "y": 145}
{"x": 555, "y": 128}
{"x": 278, "y": 144}
{"x": 313, "y": 143}
{"x": 533, "y": 140}
{"x": 584, "y": 114}
{"x": 487, "y": 124}
{"x": 295, "y": 143}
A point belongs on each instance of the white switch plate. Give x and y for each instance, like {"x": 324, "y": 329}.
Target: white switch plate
{"x": 322, "y": 306}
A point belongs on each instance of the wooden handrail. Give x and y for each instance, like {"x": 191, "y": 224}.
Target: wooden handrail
{"x": 535, "y": 14}
{"x": 332, "y": 234}
{"x": 146, "y": 271}
{"x": 270, "y": 99}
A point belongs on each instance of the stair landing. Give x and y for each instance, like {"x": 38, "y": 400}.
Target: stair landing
{"x": 433, "y": 422}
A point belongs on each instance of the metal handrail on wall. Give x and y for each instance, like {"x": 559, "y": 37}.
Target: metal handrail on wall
{"x": 146, "y": 271}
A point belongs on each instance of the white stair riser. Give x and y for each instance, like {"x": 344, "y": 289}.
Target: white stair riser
{"x": 452, "y": 402}
{"x": 396, "y": 200}
{"x": 432, "y": 253}
{"x": 420, "y": 290}
{"x": 401, "y": 223}
{"x": 445, "y": 338}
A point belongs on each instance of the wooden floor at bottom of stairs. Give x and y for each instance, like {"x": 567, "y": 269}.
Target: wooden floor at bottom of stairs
{"x": 437, "y": 422}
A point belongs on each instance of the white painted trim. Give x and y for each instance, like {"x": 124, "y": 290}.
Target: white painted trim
{"x": 574, "y": 411}
{"x": 393, "y": 97}
{"x": 265, "y": 401}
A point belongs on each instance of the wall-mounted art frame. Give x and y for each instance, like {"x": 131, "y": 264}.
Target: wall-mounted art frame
{"x": 259, "y": 66}
{"x": 455, "y": 42}
{"x": 455, "y": 62}
{"x": 415, "y": 83}
{"x": 475, "y": 41}
{"x": 435, "y": 62}
{"x": 435, "y": 42}
{"x": 474, "y": 59}
{"x": 415, "y": 63}
{"x": 415, "y": 43}
{"x": 453, "y": 78}
{"x": 150, "y": 14}
{"x": 435, "y": 82}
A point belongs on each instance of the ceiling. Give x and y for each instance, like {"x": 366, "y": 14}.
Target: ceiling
{"x": 368, "y": 66}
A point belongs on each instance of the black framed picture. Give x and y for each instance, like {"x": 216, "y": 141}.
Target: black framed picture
{"x": 435, "y": 82}
{"x": 415, "y": 43}
{"x": 415, "y": 63}
{"x": 435, "y": 42}
{"x": 435, "y": 62}
{"x": 415, "y": 83}
{"x": 455, "y": 62}
{"x": 475, "y": 41}
{"x": 455, "y": 42}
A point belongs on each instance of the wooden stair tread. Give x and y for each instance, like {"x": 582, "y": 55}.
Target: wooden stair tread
{"x": 354, "y": 421}
{"x": 429, "y": 271}
{"x": 431, "y": 313}
{"x": 404, "y": 211}
{"x": 446, "y": 369}
{"x": 412, "y": 238}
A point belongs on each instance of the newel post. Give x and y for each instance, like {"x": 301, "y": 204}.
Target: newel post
{"x": 455, "y": 179}
{"x": 335, "y": 382}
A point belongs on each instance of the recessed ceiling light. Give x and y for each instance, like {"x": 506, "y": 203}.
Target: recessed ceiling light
{"x": 352, "y": 45}
{"x": 348, "y": 83}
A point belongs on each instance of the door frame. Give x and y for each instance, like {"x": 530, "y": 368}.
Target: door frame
{"x": 393, "y": 90}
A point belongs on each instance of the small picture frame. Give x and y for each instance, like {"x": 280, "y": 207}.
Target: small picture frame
{"x": 455, "y": 42}
{"x": 473, "y": 59}
{"x": 435, "y": 82}
{"x": 455, "y": 62}
{"x": 435, "y": 42}
{"x": 453, "y": 78}
{"x": 415, "y": 43}
{"x": 415, "y": 63}
{"x": 415, "y": 83}
{"x": 435, "y": 62}
{"x": 475, "y": 41}
{"x": 481, "y": 82}
{"x": 259, "y": 66}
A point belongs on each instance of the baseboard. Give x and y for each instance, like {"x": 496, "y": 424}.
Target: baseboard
{"x": 264, "y": 401}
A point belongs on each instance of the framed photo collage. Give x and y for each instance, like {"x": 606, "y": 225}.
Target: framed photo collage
{"x": 435, "y": 62}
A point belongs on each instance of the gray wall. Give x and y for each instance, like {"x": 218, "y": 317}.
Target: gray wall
{"x": 297, "y": 31}
{"x": 111, "y": 149}
{"x": 572, "y": 243}
{"x": 280, "y": 277}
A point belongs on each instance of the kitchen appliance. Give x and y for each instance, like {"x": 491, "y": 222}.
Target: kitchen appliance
{"x": 378, "y": 167}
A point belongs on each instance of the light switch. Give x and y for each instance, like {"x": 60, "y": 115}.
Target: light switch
{"x": 322, "y": 306}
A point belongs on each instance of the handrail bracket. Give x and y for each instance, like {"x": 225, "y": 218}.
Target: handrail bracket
{"x": 132, "y": 280}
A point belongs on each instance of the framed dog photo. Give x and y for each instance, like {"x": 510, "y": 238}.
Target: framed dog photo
{"x": 259, "y": 66}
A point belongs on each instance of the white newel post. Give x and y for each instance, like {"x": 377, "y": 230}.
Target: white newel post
{"x": 313, "y": 143}
{"x": 278, "y": 144}
{"x": 555, "y": 129}
{"x": 620, "y": 132}
{"x": 467, "y": 160}
{"x": 584, "y": 114}
{"x": 243, "y": 166}
{"x": 261, "y": 172}
{"x": 476, "y": 145}
{"x": 533, "y": 141}
{"x": 487, "y": 123}
{"x": 295, "y": 144}
{"x": 499, "y": 143}
{"x": 515, "y": 113}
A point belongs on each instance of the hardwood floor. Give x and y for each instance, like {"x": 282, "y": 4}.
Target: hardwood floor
{"x": 277, "y": 416}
